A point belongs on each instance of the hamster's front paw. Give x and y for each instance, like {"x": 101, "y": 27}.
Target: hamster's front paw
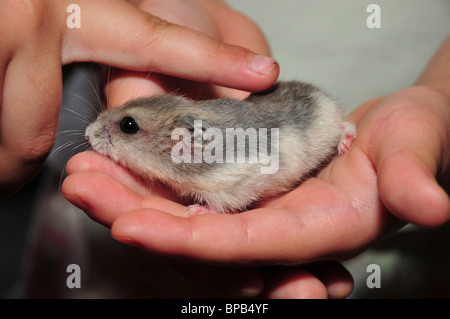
{"x": 197, "y": 209}
{"x": 347, "y": 138}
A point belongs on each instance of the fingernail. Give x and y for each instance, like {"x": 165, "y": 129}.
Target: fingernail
{"x": 261, "y": 64}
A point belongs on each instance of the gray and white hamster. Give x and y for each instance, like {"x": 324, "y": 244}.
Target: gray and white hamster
{"x": 223, "y": 153}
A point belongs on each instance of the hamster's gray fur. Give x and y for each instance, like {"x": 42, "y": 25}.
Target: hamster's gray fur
{"x": 310, "y": 124}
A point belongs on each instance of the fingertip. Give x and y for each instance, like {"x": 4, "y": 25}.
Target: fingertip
{"x": 337, "y": 279}
{"x": 99, "y": 196}
{"x": 75, "y": 163}
{"x": 143, "y": 228}
{"x": 259, "y": 73}
{"x": 409, "y": 190}
{"x": 72, "y": 190}
{"x": 294, "y": 283}
{"x": 434, "y": 210}
{"x": 150, "y": 230}
{"x": 262, "y": 65}
{"x": 124, "y": 229}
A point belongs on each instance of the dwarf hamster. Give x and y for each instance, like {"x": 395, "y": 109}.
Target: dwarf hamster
{"x": 226, "y": 153}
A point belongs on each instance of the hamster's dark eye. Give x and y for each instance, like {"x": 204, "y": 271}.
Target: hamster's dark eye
{"x": 128, "y": 125}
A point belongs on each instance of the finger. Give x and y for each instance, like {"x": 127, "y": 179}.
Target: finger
{"x": 315, "y": 230}
{"x": 215, "y": 19}
{"x": 321, "y": 280}
{"x": 75, "y": 190}
{"x": 31, "y": 96}
{"x": 238, "y": 282}
{"x": 92, "y": 161}
{"x": 139, "y": 41}
{"x": 409, "y": 163}
{"x": 214, "y": 238}
{"x": 123, "y": 85}
{"x": 104, "y": 199}
{"x": 337, "y": 280}
{"x": 414, "y": 195}
{"x": 319, "y": 221}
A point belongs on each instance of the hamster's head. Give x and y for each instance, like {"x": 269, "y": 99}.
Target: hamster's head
{"x": 138, "y": 134}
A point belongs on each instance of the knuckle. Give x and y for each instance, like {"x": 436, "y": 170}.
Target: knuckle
{"x": 36, "y": 149}
{"x": 157, "y": 32}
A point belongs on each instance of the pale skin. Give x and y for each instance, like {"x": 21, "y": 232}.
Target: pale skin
{"x": 394, "y": 174}
{"x": 36, "y": 42}
{"x": 359, "y": 182}
{"x": 386, "y": 180}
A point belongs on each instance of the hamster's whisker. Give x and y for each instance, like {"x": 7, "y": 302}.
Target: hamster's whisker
{"x": 91, "y": 106}
{"x": 108, "y": 78}
{"x": 148, "y": 75}
{"x": 97, "y": 95}
{"x": 107, "y": 92}
{"x": 84, "y": 147}
{"x": 75, "y": 144}
{"x": 84, "y": 118}
{"x": 71, "y": 132}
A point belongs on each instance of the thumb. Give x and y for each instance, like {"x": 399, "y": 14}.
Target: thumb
{"x": 119, "y": 34}
{"x": 408, "y": 150}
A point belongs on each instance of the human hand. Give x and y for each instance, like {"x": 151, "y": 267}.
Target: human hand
{"x": 334, "y": 280}
{"x": 213, "y": 18}
{"x": 352, "y": 190}
{"x": 329, "y": 217}
{"x": 36, "y": 42}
